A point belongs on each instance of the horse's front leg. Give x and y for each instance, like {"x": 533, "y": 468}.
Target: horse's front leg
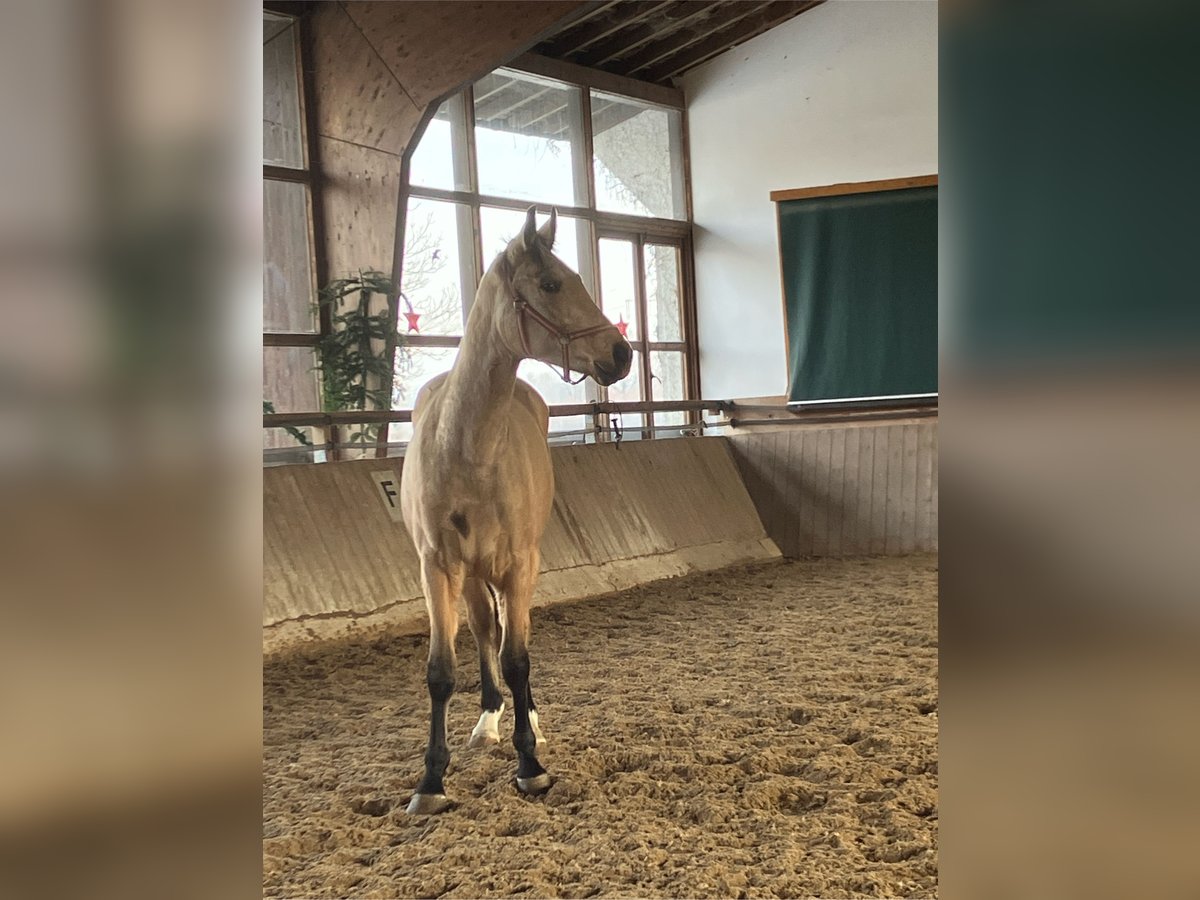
{"x": 514, "y": 663}
{"x": 441, "y": 599}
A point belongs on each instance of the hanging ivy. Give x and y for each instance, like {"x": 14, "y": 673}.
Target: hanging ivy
{"x": 269, "y": 407}
{"x": 355, "y": 358}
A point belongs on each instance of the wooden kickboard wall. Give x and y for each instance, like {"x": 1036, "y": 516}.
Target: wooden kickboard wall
{"x": 336, "y": 563}
{"x": 848, "y": 490}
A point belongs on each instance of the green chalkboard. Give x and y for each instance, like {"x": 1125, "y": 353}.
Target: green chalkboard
{"x": 860, "y": 280}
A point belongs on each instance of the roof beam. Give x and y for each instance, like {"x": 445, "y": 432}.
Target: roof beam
{"x": 746, "y": 27}
{"x": 632, "y": 38}
{"x": 677, "y": 42}
{"x": 599, "y": 27}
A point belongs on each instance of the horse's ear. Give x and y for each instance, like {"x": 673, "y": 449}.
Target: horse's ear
{"x": 546, "y": 232}
{"x": 529, "y": 236}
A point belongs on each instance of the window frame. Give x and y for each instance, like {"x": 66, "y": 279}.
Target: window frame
{"x": 304, "y": 176}
{"x": 640, "y": 230}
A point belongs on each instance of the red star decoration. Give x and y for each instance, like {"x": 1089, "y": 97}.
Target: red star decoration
{"x": 412, "y": 321}
{"x": 622, "y": 326}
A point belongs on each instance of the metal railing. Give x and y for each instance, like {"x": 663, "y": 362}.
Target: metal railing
{"x": 730, "y": 414}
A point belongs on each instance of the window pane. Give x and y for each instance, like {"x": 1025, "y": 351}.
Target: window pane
{"x": 414, "y": 367}
{"x": 436, "y": 234}
{"x": 287, "y": 281}
{"x": 527, "y": 138}
{"x": 572, "y": 243}
{"x": 638, "y": 158}
{"x": 282, "y": 141}
{"x": 290, "y": 379}
{"x": 666, "y": 368}
{"x": 555, "y": 391}
{"x": 617, "y": 276}
{"x": 499, "y": 226}
{"x": 662, "y": 293}
{"x": 440, "y": 160}
{"x": 629, "y": 390}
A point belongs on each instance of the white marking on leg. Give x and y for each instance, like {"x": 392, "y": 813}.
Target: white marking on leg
{"x": 533, "y": 723}
{"x": 488, "y": 729}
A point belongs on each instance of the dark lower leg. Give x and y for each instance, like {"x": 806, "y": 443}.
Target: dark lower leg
{"x": 490, "y": 698}
{"x": 515, "y": 663}
{"x": 485, "y": 626}
{"x": 440, "y": 677}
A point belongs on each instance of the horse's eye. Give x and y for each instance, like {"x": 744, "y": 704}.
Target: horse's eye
{"x": 550, "y": 287}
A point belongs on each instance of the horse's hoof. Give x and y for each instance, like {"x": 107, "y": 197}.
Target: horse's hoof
{"x": 482, "y": 740}
{"x": 538, "y": 784}
{"x": 428, "y": 804}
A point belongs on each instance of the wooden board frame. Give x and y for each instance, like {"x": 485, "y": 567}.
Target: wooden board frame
{"x": 841, "y": 189}
{"x": 855, "y": 187}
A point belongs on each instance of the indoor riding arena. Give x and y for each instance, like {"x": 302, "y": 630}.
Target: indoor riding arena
{"x": 705, "y": 235}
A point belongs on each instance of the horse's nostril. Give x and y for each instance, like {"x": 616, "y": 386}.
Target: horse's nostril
{"x": 622, "y": 354}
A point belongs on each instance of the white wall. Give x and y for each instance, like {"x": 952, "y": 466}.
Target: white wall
{"x": 845, "y": 92}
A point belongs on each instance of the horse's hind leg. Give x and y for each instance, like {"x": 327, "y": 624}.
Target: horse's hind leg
{"x": 514, "y": 662}
{"x": 441, "y": 598}
{"x": 485, "y": 626}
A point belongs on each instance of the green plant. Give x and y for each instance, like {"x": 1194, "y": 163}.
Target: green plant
{"x": 269, "y": 407}
{"x": 355, "y": 357}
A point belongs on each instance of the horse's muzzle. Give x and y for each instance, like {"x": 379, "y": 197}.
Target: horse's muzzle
{"x": 622, "y": 359}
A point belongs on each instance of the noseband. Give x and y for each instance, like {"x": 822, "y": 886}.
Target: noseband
{"x": 524, "y": 308}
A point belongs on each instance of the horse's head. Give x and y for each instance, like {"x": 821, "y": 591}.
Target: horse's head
{"x": 550, "y": 315}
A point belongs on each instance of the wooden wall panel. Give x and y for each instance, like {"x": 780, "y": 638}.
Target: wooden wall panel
{"x": 837, "y": 485}
{"x": 877, "y": 523}
{"x": 433, "y": 48}
{"x": 866, "y": 489}
{"x": 334, "y": 562}
{"x": 358, "y": 201}
{"x": 357, "y": 98}
{"x": 844, "y": 490}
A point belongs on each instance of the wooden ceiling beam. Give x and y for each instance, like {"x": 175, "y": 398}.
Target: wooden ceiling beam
{"x": 746, "y": 27}
{"x": 574, "y": 40}
{"x": 586, "y": 21}
{"x": 678, "y": 41}
{"x": 632, "y": 38}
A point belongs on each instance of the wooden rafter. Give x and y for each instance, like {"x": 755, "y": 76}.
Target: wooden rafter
{"x": 669, "y": 43}
{"x": 654, "y": 42}
{"x": 617, "y": 17}
{"x": 631, "y": 38}
{"x": 742, "y": 29}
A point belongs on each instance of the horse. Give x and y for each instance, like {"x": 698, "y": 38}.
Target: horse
{"x": 477, "y": 487}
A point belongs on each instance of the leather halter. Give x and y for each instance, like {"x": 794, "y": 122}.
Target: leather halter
{"x": 524, "y": 308}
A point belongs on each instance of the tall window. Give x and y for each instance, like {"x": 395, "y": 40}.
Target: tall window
{"x": 290, "y": 325}
{"x": 613, "y": 166}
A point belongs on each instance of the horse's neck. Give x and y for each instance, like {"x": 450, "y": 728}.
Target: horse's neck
{"x": 480, "y": 386}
